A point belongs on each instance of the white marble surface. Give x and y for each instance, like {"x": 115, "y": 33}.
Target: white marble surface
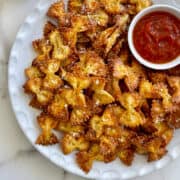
{"x": 18, "y": 159}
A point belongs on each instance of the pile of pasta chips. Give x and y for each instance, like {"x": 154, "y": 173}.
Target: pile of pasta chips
{"x": 90, "y": 88}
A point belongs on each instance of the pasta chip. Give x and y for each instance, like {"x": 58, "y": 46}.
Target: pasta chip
{"x": 47, "y": 137}
{"x": 71, "y": 142}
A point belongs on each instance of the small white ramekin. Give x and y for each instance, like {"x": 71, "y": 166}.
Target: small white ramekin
{"x": 166, "y": 8}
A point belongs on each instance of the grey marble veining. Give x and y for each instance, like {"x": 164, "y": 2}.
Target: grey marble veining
{"x": 18, "y": 159}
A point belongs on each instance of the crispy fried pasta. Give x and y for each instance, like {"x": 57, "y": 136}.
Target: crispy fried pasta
{"x": 90, "y": 88}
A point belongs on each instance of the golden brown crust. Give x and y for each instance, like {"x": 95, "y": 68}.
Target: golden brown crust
{"x": 91, "y": 5}
{"x": 108, "y": 38}
{"x": 58, "y": 108}
{"x": 33, "y": 72}
{"x": 85, "y": 158}
{"x": 57, "y": 11}
{"x": 147, "y": 90}
{"x": 68, "y": 127}
{"x": 79, "y": 116}
{"x": 126, "y": 156}
{"x": 75, "y": 6}
{"x": 113, "y": 6}
{"x": 130, "y": 74}
{"x": 157, "y": 77}
{"x": 92, "y": 64}
{"x": 34, "y": 86}
{"x": 141, "y": 4}
{"x": 174, "y": 83}
{"x": 43, "y": 140}
{"x": 174, "y": 118}
{"x": 108, "y": 145}
{"x": 71, "y": 142}
{"x": 99, "y": 18}
{"x": 60, "y": 51}
{"x": 157, "y": 110}
{"x": 84, "y": 161}
{"x": 47, "y": 123}
{"x": 48, "y": 28}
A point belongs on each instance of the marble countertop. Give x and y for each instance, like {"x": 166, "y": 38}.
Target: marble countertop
{"x": 18, "y": 159}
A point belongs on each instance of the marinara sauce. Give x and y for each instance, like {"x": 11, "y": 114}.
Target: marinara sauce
{"x": 157, "y": 37}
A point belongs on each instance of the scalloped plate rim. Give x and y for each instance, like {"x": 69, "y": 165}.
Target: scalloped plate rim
{"x": 98, "y": 175}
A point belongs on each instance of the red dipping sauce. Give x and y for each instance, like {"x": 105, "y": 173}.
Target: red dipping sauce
{"x": 156, "y": 37}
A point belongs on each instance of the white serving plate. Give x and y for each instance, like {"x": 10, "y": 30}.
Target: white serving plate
{"x": 20, "y": 58}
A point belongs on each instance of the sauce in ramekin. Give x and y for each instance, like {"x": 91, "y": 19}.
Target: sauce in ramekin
{"x": 156, "y": 37}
